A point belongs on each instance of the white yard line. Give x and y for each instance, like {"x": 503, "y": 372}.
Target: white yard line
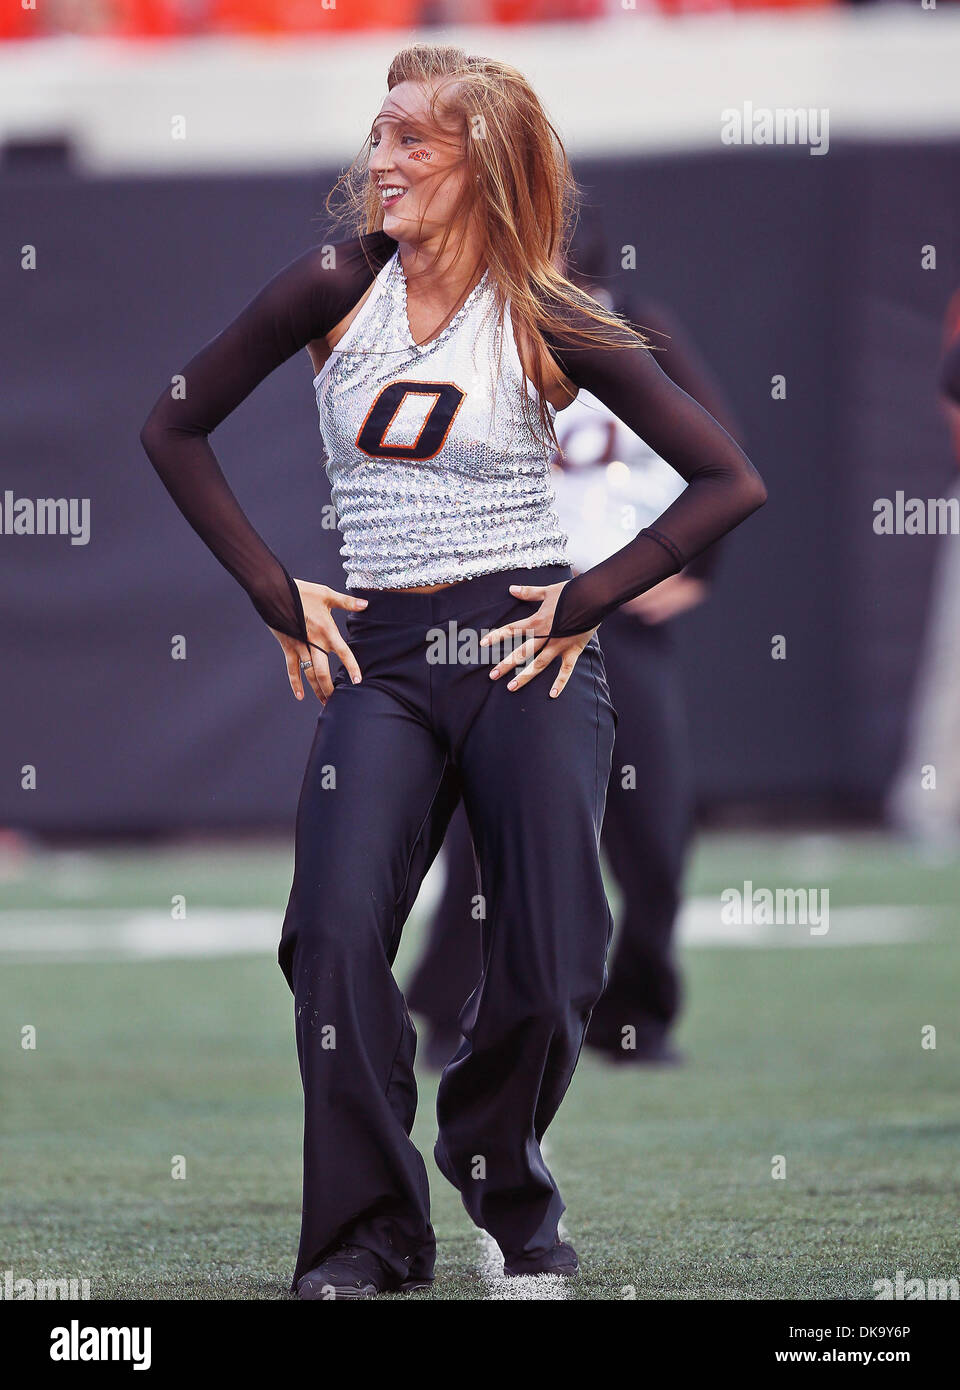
{"x": 500, "y": 1288}
{"x": 700, "y": 924}
{"x": 103, "y": 934}
{"x": 68, "y": 933}
{"x": 525, "y": 1286}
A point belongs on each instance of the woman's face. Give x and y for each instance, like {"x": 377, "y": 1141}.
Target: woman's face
{"x": 417, "y": 169}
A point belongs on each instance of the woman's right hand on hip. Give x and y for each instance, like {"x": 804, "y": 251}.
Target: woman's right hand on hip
{"x": 318, "y": 604}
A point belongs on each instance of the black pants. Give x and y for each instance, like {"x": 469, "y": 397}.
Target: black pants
{"x": 390, "y": 760}
{"x": 646, "y": 832}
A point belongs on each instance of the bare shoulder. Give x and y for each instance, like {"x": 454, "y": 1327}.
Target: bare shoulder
{"x": 353, "y": 265}
{"x": 321, "y": 348}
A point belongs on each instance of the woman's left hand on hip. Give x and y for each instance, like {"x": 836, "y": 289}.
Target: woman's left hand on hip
{"x": 536, "y": 626}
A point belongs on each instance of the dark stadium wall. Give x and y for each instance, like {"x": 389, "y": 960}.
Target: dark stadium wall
{"x": 776, "y": 262}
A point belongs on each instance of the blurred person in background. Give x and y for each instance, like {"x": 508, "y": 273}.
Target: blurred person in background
{"x": 924, "y": 798}
{"x": 608, "y": 484}
{"x": 444, "y": 340}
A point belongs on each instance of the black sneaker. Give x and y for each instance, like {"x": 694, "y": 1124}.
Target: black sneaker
{"x": 657, "y": 1055}
{"x": 353, "y": 1272}
{"x": 561, "y": 1259}
{"x": 653, "y": 1054}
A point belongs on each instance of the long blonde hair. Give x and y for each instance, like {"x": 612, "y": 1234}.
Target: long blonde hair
{"x": 520, "y": 192}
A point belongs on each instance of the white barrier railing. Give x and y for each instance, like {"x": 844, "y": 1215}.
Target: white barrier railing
{"x": 634, "y": 82}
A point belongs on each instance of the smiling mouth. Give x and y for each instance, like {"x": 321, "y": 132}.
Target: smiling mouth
{"x": 390, "y": 195}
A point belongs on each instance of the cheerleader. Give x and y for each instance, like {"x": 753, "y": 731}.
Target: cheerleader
{"x": 443, "y": 341}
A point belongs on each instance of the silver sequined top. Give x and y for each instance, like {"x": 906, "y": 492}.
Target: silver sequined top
{"x": 436, "y": 475}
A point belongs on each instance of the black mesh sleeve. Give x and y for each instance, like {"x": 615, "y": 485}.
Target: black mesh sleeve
{"x": 723, "y": 486}
{"x": 683, "y": 363}
{"x": 302, "y": 303}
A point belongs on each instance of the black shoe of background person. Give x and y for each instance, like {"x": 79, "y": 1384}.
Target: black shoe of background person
{"x": 652, "y": 1054}
{"x": 659, "y": 1055}
{"x": 561, "y": 1259}
{"x": 352, "y": 1271}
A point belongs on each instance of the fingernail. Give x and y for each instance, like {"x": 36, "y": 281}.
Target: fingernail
{"x": 356, "y": 680}
{"x": 362, "y": 602}
{"x": 494, "y": 674}
{"x": 512, "y": 685}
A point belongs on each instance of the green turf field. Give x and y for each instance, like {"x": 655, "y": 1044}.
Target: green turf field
{"x": 813, "y": 1054}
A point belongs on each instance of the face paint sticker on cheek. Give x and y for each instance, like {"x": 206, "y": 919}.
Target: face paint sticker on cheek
{"x": 420, "y": 154}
